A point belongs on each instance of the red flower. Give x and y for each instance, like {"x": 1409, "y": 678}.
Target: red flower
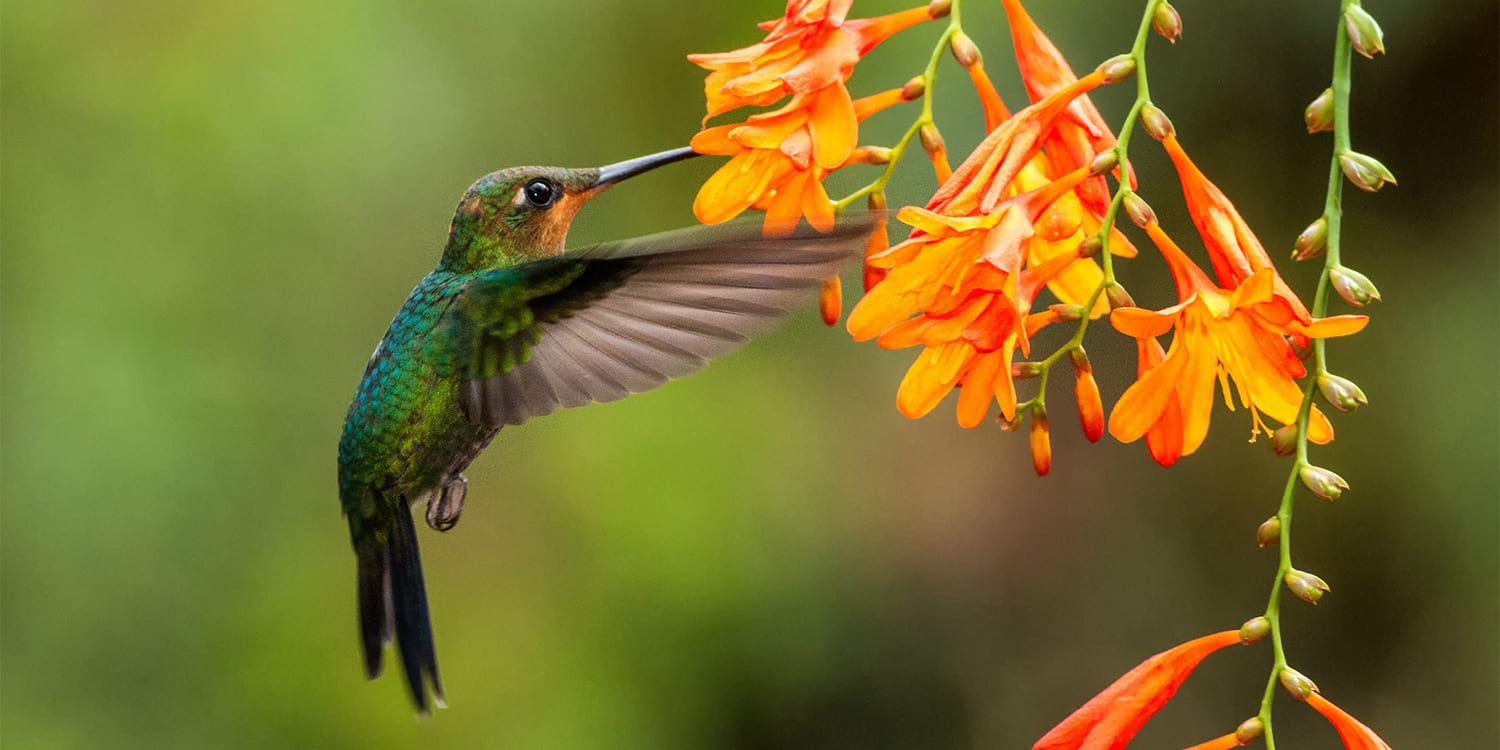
{"x": 1356, "y": 736}
{"x": 1111, "y": 718}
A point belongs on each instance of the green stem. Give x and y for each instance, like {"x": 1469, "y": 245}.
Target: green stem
{"x": 1333, "y": 215}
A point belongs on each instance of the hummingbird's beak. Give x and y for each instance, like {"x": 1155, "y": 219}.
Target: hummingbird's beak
{"x": 613, "y": 173}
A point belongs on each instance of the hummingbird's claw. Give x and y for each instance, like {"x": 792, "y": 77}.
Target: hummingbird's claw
{"x": 446, "y": 505}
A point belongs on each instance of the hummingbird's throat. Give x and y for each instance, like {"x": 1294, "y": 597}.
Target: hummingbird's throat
{"x": 551, "y": 228}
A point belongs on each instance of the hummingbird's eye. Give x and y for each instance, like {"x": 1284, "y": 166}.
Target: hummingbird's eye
{"x": 540, "y": 193}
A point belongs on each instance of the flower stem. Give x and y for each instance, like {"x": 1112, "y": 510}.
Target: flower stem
{"x": 1333, "y": 214}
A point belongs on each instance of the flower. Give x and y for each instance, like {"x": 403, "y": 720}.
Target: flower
{"x": 1235, "y": 334}
{"x": 1356, "y": 735}
{"x": 1111, "y": 718}
{"x": 1227, "y": 742}
{"x": 781, "y": 157}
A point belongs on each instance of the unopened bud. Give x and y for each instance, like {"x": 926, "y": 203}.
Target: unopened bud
{"x": 932, "y": 140}
{"x": 1364, "y": 32}
{"x": 1249, "y": 730}
{"x": 1322, "y": 482}
{"x": 831, "y": 300}
{"x": 1090, "y": 246}
{"x": 1104, "y": 161}
{"x": 1139, "y": 211}
{"x": 1025, "y": 370}
{"x": 1166, "y": 21}
{"x": 1297, "y": 683}
{"x": 1117, "y": 68}
{"x": 1353, "y": 286}
{"x": 1117, "y": 296}
{"x": 1041, "y": 442}
{"x": 1255, "y": 630}
{"x": 914, "y": 89}
{"x": 939, "y": 8}
{"x": 1268, "y": 534}
{"x": 1067, "y": 313}
{"x": 1086, "y": 392}
{"x": 1306, "y": 586}
{"x": 876, "y": 202}
{"x": 1284, "y": 440}
{"x": 964, "y": 50}
{"x": 1366, "y": 172}
{"x": 874, "y": 154}
{"x": 1313, "y": 240}
{"x": 1319, "y": 113}
{"x": 1341, "y": 393}
{"x": 1156, "y": 121}
{"x": 1009, "y": 425}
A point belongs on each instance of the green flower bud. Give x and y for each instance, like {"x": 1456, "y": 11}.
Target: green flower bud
{"x": 1341, "y": 393}
{"x": 939, "y": 8}
{"x": 1284, "y": 440}
{"x": 1025, "y": 370}
{"x": 1090, "y": 246}
{"x": 1366, "y": 172}
{"x": 1104, "y": 161}
{"x": 1067, "y": 313}
{"x": 1255, "y": 630}
{"x": 1250, "y": 730}
{"x": 1156, "y": 121}
{"x": 1322, "y": 482}
{"x": 914, "y": 89}
{"x": 1297, "y": 683}
{"x": 1166, "y": 21}
{"x": 1319, "y": 114}
{"x": 1139, "y": 210}
{"x": 1364, "y": 32}
{"x": 1353, "y": 286}
{"x": 1117, "y": 296}
{"x": 1117, "y": 68}
{"x": 1269, "y": 532}
{"x": 1306, "y": 586}
{"x": 964, "y": 50}
{"x": 1313, "y": 240}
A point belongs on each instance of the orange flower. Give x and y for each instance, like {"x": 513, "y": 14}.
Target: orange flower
{"x": 781, "y": 157}
{"x": 1227, "y": 742}
{"x": 1233, "y": 334}
{"x": 1356, "y": 735}
{"x": 1111, "y": 718}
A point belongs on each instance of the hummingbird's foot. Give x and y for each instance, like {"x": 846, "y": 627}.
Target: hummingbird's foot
{"x": 446, "y": 505}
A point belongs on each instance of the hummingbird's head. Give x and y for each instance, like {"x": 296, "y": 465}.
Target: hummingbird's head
{"x": 522, "y": 214}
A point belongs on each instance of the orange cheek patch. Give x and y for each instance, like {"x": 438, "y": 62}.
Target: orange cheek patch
{"x": 555, "y": 222}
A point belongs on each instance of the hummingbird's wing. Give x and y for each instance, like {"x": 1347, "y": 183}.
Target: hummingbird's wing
{"x": 603, "y": 322}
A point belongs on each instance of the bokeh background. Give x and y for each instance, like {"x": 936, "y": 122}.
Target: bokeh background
{"x": 212, "y": 209}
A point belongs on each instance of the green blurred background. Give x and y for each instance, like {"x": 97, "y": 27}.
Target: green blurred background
{"x": 212, "y": 209}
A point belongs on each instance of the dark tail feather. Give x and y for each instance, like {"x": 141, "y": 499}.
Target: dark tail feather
{"x": 392, "y": 597}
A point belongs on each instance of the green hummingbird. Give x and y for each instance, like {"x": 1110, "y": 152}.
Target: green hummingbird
{"x": 511, "y": 326}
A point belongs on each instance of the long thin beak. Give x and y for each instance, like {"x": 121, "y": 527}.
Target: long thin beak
{"x": 631, "y": 167}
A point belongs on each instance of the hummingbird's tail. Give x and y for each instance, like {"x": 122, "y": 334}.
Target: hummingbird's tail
{"x": 392, "y": 597}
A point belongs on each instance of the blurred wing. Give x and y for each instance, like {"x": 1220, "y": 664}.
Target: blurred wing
{"x": 647, "y": 310}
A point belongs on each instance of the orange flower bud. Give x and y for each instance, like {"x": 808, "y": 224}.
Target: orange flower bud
{"x": 1268, "y": 534}
{"x": 1284, "y": 440}
{"x": 1306, "y": 586}
{"x": 914, "y": 89}
{"x": 1313, "y": 240}
{"x": 831, "y": 300}
{"x": 1156, "y": 121}
{"x": 1166, "y": 21}
{"x": 1090, "y": 407}
{"x": 1255, "y": 630}
{"x": 1364, "y": 32}
{"x": 1139, "y": 210}
{"x": 1041, "y": 443}
{"x": 1366, "y": 172}
{"x": 1297, "y": 683}
{"x": 964, "y": 50}
{"x": 1322, "y": 482}
{"x": 1319, "y": 113}
{"x": 1117, "y": 68}
{"x": 1249, "y": 730}
{"x": 1117, "y": 296}
{"x": 1353, "y": 286}
{"x": 937, "y": 150}
{"x": 1341, "y": 393}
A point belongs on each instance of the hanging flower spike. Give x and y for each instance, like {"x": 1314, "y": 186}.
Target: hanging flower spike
{"x": 1355, "y": 734}
{"x": 1235, "y": 251}
{"x": 1236, "y": 334}
{"x": 1110, "y": 719}
{"x": 781, "y": 157}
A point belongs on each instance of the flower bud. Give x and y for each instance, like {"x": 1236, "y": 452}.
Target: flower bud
{"x": 1166, "y": 21}
{"x": 1297, "y": 683}
{"x": 1090, "y": 246}
{"x": 1353, "y": 286}
{"x": 831, "y": 300}
{"x": 1067, "y": 313}
{"x": 873, "y": 154}
{"x": 1319, "y": 113}
{"x": 1117, "y": 68}
{"x": 1341, "y": 393}
{"x": 1322, "y": 482}
{"x": 1025, "y": 370}
{"x": 1104, "y": 161}
{"x": 1313, "y": 240}
{"x": 1086, "y": 392}
{"x": 1139, "y": 211}
{"x": 1117, "y": 296}
{"x": 937, "y": 150}
{"x": 1366, "y": 172}
{"x": 1009, "y": 425}
{"x": 914, "y": 89}
{"x": 1156, "y": 121}
{"x": 1306, "y": 586}
{"x": 1249, "y": 730}
{"x": 964, "y": 50}
{"x": 1255, "y": 630}
{"x": 1268, "y": 534}
{"x": 1041, "y": 443}
{"x": 1364, "y": 32}
{"x": 1284, "y": 440}
{"x": 939, "y": 8}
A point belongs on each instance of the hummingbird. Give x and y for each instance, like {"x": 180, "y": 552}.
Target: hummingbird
{"x": 512, "y": 325}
